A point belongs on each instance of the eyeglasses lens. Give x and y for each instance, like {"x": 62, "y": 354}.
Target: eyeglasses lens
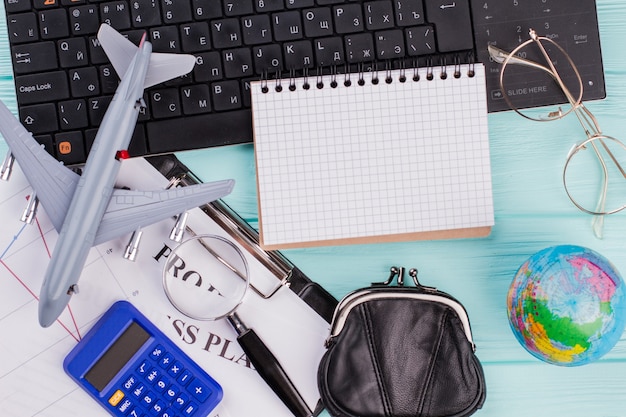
{"x": 526, "y": 85}
{"x": 585, "y": 178}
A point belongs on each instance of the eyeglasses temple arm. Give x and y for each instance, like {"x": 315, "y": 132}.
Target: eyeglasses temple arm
{"x": 500, "y": 55}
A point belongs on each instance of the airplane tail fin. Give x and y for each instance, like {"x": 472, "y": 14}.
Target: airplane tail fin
{"x": 121, "y": 52}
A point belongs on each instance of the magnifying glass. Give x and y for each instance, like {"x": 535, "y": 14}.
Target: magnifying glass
{"x": 206, "y": 278}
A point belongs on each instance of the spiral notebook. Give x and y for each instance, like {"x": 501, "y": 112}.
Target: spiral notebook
{"x": 388, "y": 156}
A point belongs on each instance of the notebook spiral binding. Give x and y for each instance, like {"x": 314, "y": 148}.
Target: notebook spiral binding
{"x": 332, "y": 77}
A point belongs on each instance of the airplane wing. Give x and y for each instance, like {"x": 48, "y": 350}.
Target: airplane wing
{"x": 117, "y": 47}
{"x": 53, "y": 183}
{"x": 129, "y": 210}
{"x": 162, "y": 67}
{"x": 165, "y": 67}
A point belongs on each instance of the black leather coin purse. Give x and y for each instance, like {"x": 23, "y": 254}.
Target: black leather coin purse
{"x": 397, "y": 350}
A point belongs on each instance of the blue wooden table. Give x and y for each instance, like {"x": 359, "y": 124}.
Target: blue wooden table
{"x": 532, "y": 212}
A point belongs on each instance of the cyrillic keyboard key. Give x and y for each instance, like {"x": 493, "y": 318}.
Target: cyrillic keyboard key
{"x": 96, "y": 53}
{"x": 409, "y": 12}
{"x": 39, "y": 118}
{"x": 226, "y": 96}
{"x": 108, "y": 79}
{"x": 237, "y": 63}
{"x": 389, "y": 44}
{"x": 23, "y": 28}
{"x": 97, "y": 106}
{"x": 348, "y": 18}
{"x": 226, "y": 33}
{"x": 298, "y": 55}
{"x": 267, "y": 59}
{"x": 175, "y": 11}
{"x": 318, "y": 22}
{"x": 453, "y": 24}
{"x": 165, "y": 103}
{"x": 196, "y": 99}
{"x": 45, "y": 4}
{"x": 269, "y": 5}
{"x": 116, "y": 14}
{"x": 206, "y": 9}
{"x": 257, "y": 29}
{"x": 420, "y": 40}
{"x": 70, "y": 147}
{"x": 329, "y": 51}
{"x": 84, "y": 82}
{"x": 296, "y": 4}
{"x": 73, "y": 114}
{"x": 34, "y": 57}
{"x": 287, "y": 26}
{"x": 72, "y": 52}
{"x": 38, "y": 88}
{"x": 208, "y": 67}
{"x": 359, "y": 48}
{"x": 165, "y": 39}
{"x": 195, "y": 37}
{"x": 145, "y": 13}
{"x": 238, "y": 7}
{"x": 84, "y": 20}
{"x": 15, "y": 6}
{"x": 164, "y": 135}
{"x": 378, "y": 15}
{"x": 53, "y": 24}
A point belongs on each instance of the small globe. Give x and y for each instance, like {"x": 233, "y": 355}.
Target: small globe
{"x": 567, "y": 305}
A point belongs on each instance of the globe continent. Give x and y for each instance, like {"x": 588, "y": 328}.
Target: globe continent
{"x": 567, "y": 305}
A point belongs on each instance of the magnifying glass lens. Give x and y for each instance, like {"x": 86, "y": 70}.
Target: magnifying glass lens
{"x": 206, "y": 277}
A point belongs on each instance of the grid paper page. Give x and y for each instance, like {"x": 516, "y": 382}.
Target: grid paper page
{"x": 372, "y": 162}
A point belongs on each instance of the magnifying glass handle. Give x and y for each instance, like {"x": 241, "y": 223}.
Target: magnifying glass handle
{"x": 270, "y": 369}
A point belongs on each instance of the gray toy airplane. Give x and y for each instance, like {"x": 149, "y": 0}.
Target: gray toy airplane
{"x": 86, "y": 209}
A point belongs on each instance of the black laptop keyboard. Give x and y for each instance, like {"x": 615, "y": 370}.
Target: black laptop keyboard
{"x": 64, "y": 81}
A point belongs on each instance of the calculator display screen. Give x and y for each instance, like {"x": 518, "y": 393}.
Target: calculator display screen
{"x": 114, "y": 359}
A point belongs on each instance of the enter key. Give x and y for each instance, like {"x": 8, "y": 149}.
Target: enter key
{"x": 453, "y": 24}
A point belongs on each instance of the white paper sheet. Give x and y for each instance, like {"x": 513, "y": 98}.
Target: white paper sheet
{"x": 32, "y": 380}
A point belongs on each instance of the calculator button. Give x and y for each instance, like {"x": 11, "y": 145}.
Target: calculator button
{"x": 184, "y": 378}
{"x": 168, "y": 413}
{"x": 136, "y": 412}
{"x": 153, "y": 375}
{"x": 190, "y": 409}
{"x": 125, "y": 406}
{"x": 157, "y": 408}
{"x": 143, "y": 368}
{"x": 130, "y": 382}
{"x": 157, "y": 352}
{"x": 175, "y": 369}
{"x": 180, "y": 401}
{"x": 161, "y": 385}
{"x": 139, "y": 390}
{"x": 171, "y": 393}
{"x": 198, "y": 390}
{"x": 116, "y": 398}
{"x": 166, "y": 361}
{"x": 148, "y": 399}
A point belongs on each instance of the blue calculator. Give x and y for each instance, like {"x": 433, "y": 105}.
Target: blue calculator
{"x": 133, "y": 370}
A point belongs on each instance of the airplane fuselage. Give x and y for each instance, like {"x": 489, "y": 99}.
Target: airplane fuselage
{"x": 94, "y": 190}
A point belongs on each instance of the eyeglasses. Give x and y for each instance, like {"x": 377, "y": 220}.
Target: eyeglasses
{"x": 580, "y": 178}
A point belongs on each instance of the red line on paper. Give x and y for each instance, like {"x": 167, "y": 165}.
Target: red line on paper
{"x": 45, "y": 244}
{"x": 76, "y": 336}
{"x": 37, "y": 298}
